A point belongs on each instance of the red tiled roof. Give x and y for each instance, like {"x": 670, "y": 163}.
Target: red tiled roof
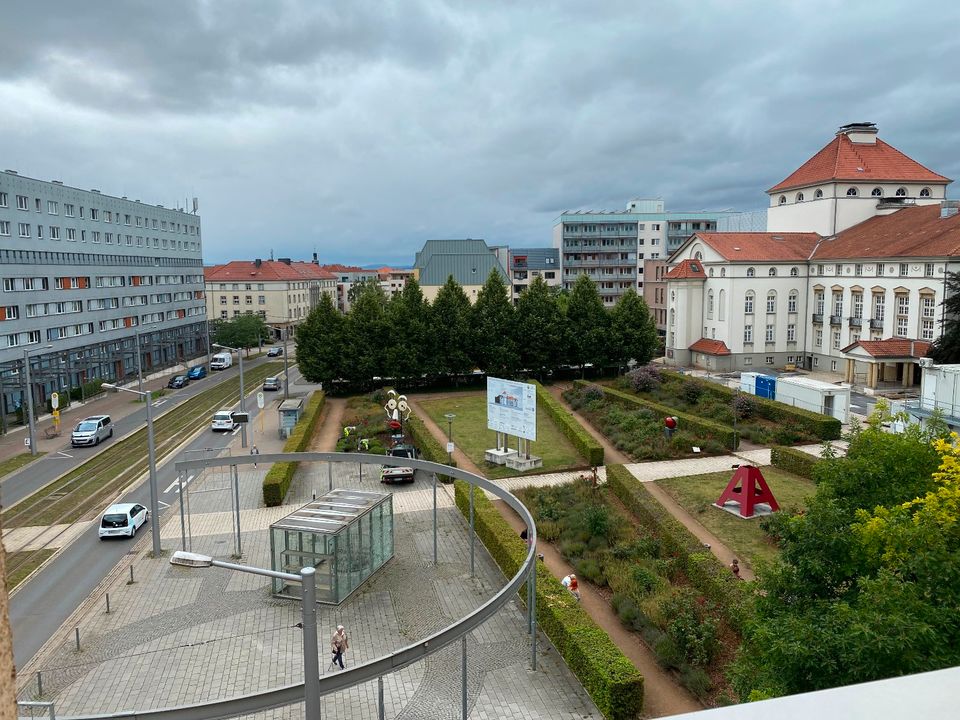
{"x": 843, "y": 159}
{"x": 268, "y": 271}
{"x": 761, "y": 246}
{"x": 310, "y": 270}
{"x": 911, "y": 232}
{"x": 338, "y": 268}
{"x": 892, "y": 348}
{"x": 687, "y": 269}
{"x": 710, "y": 347}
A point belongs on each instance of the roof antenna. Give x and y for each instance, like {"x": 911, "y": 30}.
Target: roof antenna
{"x": 271, "y": 254}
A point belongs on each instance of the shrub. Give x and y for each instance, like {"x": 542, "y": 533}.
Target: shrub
{"x": 590, "y": 569}
{"x": 583, "y": 441}
{"x": 667, "y": 652}
{"x": 691, "y": 391}
{"x": 592, "y": 393}
{"x": 549, "y": 530}
{"x": 793, "y": 460}
{"x": 644, "y": 379}
{"x": 626, "y": 609}
{"x": 277, "y": 481}
{"x": 745, "y": 406}
{"x": 691, "y": 628}
{"x": 697, "y": 682}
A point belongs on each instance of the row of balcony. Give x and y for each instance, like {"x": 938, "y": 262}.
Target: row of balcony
{"x": 629, "y": 261}
{"x": 853, "y": 321}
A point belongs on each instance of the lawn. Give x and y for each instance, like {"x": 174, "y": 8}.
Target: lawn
{"x": 21, "y": 564}
{"x": 471, "y": 435}
{"x": 697, "y": 493}
{"x": 13, "y": 464}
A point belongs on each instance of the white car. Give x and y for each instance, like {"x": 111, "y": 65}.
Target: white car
{"x": 223, "y": 421}
{"x": 122, "y": 520}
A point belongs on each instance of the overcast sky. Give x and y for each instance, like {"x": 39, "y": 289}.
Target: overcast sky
{"x": 361, "y": 129}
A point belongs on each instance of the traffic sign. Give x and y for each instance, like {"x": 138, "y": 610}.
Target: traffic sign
{"x": 26, "y": 442}
{"x": 56, "y": 414}
{"x": 450, "y": 447}
{"x": 55, "y": 400}
{"x": 260, "y": 400}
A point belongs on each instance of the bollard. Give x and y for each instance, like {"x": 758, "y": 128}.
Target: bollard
{"x": 108, "y": 603}
{"x": 131, "y": 576}
{"x": 76, "y": 631}
{"x": 39, "y": 684}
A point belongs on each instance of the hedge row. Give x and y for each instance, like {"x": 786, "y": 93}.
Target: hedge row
{"x": 706, "y": 574}
{"x": 792, "y": 460}
{"x": 613, "y": 682}
{"x": 820, "y": 426}
{"x": 427, "y": 445}
{"x": 576, "y": 434}
{"x": 691, "y": 423}
{"x": 278, "y": 478}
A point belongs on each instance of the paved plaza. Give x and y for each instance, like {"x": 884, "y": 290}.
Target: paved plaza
{"x": 179, "y": 636}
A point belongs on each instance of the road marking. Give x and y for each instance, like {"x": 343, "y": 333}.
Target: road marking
{"x": 161, "y": 502}
{"x": 235, "y": 431}
{"x": 158, "y": 403}
{"x": 63, "y": 455}
{"x": 176, "y": 484}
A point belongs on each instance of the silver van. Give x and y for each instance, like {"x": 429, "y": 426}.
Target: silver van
{"x": 91, "y": 430}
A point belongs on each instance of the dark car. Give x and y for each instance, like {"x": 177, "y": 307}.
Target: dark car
{"x": 178, "y": 381}
{"x": 275, "y": 352}
{"x": 197, "y": 372}
{"x": 272, "y": 383}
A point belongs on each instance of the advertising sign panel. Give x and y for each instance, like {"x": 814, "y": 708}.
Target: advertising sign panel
{"x": 512, "y": 408}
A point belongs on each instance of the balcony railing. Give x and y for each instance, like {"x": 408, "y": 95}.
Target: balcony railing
{"x": 855, "y": 321}
{"x": 876, "y": 324}
{"x": 836, "y": 320}
{"x": 818, "y": 317}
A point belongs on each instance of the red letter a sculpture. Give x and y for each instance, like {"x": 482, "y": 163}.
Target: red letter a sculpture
{"x": 748, "y": 488}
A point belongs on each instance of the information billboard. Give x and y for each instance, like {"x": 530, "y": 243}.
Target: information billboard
{"x": 512, "y": 408}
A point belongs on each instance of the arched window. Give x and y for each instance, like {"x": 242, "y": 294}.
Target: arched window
{"x": 794, "y": 272}
{"x": 722, "y": 311}
{"x": 792, "y": 301}
{"x": 673, "y": 317}
{"x": 799, "y": 197}
{"x": 723, "y": 272}
{"x": 782, "y": 200}
{"x": 771, "y": 301}
{"x": 772, "y": 272}
{"x": 748, "y": 303}
{"x": 710, "y": 305}
{"x": 901, "y": 192}
{"x": 852, "y": 192}
{"x": 818, "y": 194}
{"x": 925, "y": 192}
{"x": 711, "y": 272}
{"x": 876, "y": 192}
{"x": 698, "y": 255}
{"x": 751, "y": 272}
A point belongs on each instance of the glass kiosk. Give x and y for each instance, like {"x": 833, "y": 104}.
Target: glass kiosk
{"x": 347, "y": 535}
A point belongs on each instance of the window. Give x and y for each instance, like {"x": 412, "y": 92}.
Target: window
{"x": 818, "y": 194}
{"x": 836, "y": 339}
{"x": 768, "y": 359}
{"x": 880, "y": 269}
{"x": 772, "y": 272}
{"x": 926, "y": 329}
{"x": 771, "y": 334}
{"x": 794, "y": 272}
{"x": 95, "y": 236}
{"x": 854, "y": 337}
{"x": 782, "y": 200}
{"x": 902, "y": 327}
{"x": 40, "y": 232}
{"x": 748, "y": 303}
{"x": 3, "y": 199}
{"x": 857, "y": 299}
{"x": 236, "y": 299}
{"x": 24, "y": 229}
{"x": 771, "y": 302}
{"x": 800, "y": 197}
{"x": 748, "y": 333}
{"x": 792, "y": 301}
{"x": 154, "y": 224}
{"x": 925, "y": 192}
{"x": 54, "y": 232}
{"x": 904, "y": 269}
{"x": 878, "y": 301}
{"x": 710, "y": 305}
{"x": 68, "y": 209}
{"x": 23, "y": 203}
{"x": 94, "y": 214}
{"x": 851, "y": 192}
{"x": 838, "y": 304}
{"x": 818, "y": 338}
{"x": 928, "y": 270}
{"x": 10, "y": 312}
{"x": 901, "y": 192}
{"x": 139, "y": 221}
{"x": 748, "y": 361}
{"x": 261, "y": 299}
{"x": 818, "y": 302}
{"x": 838, "y": 269}
{"x": 791, "y": 332}
{"x": 876, "y": 192}
{"x": 72, "y": 234}
{"x": 722, "y": 311}
{"x": 52, "y": 207}
{"x": 248, "y": 300}
{"x": 927, "y": 306}
{"x": 126, "y": 219}
{"x": 858, "y": 269}
{"x": 224, "y": 314}
{"x": 4, "y": 227}
{"x": 903, "y": 305}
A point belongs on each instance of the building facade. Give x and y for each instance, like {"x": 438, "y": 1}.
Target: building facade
{"x": 525, "y": 264}
{"x": 469, "y": 262}
{"x": 88, "y": 279}
{"x": 346, "y": 276}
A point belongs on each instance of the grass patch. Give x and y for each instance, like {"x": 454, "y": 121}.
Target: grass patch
{"x": 11, "y": 465}
{"x": 697, "y": 493}
{"x": 471, "y": 435}
{"x": 21, "y": 564}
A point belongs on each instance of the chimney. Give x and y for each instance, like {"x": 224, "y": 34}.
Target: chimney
{"x": 949, "y": 208}
{"x": 285, "y": 261}
{"x": 315, "y": 260}
{"x": 861, "y": 133}
{"x": 257, "y": 263}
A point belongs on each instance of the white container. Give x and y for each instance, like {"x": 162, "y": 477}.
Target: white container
{"x": 748, "y": 382}
{"x": 814, "y": 395}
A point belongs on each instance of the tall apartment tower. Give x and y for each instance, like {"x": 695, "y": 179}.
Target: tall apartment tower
{"x": 87, "y": 278}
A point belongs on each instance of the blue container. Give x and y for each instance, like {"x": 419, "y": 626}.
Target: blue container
{"x": 767, "y": 386}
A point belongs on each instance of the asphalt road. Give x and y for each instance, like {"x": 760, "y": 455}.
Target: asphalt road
{"x": 42, "y": 605}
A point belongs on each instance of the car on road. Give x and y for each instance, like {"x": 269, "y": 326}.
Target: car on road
{"x": 92, "y": 430}
{"x": 197, "y": 372}
{"x": 272, "y": 383}
{"x": 223, "y": 421}
{"x": 122, "y": 520}
{"x": 399, "y": 474}
{"x": 178, "y": 381}
{"x": 275, "y": 352}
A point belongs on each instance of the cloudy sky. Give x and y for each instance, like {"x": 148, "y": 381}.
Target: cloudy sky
{"x": 359, "y": 129}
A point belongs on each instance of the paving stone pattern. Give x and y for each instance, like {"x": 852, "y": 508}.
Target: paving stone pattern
{"x": 181, "y": 636}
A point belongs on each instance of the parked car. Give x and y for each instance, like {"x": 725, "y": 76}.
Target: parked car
{"x": 178, "y": 381}
{"x": 272, "y": 383}
{"x": 197, "y": 372}
{"x": 399, "y": 474}
{"x": 123, "y": 519}
{"x": 91, "y": 430}
{"x": 223, "y": 421}
{"x": 275, "y": 352}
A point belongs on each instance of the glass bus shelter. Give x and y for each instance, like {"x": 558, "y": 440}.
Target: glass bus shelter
{"x": 347, "y": 535}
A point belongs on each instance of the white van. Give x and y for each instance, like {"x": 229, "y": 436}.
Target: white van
{"x": 221, "y": 361}
{"x": 223, "y": 420}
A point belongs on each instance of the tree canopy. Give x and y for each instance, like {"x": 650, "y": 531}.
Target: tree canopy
{"x": 243, "y": 331}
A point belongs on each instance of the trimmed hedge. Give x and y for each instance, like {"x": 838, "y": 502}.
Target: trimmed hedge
{"x": 820, "y": 426}
{"x": 792, "y": 460}
{"x": 706, "y": 574}
{"x": 427, "y": 445}
{"x": 692, "y": 423}
{"x": 574, "y": 431}
{"x": 613, "y": 682}
{"x": 278, "y": 478}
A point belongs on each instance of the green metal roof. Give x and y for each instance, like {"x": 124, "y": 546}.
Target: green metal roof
{"x": 468, "y": 261}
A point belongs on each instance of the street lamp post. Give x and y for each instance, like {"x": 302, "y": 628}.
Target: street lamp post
{"x": 136, "y": 337}
{"x": 243, "y": 404}
{"x": 152, "y": 461}
{"x": 308, "y": 609}
{"x": 449, "y": 417}
{"x": 29, "y": 390}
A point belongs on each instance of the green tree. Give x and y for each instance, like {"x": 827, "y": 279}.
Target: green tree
{"x": 368, "y": 336}
{"x": 633, "y": 333}
{"x": 243, "y": 331}
{"x": 588, "y": 325}
{"x": 491, "y": 325}
{"x": 450, "y": 329}
{"x": 321, "y": 343}
{"x": 407, "y": 317}
{"x": 539, "y": 328}
{"x": 946, "y": 349}
{"x": 359, "y": 288}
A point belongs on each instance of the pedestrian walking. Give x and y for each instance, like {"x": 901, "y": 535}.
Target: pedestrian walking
{"x": 571, "y": 584}
{"x": 338, "y": 646}
{"x": 253, "y": 453}
{"x": 735, "y": 568}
